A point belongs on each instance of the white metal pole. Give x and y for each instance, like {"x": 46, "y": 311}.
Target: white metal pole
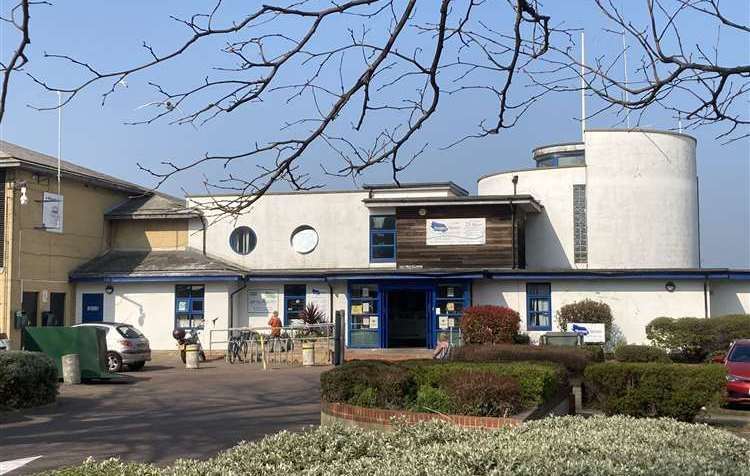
{"x": 59, "y": 151}
{"x": 583, "y": 86}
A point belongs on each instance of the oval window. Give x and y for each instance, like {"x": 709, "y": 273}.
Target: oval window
{"x": 304, "y": 239}
{"x": 243, "y": 240}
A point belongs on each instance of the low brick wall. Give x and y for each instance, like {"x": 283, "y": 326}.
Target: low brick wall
{"x": 378, "y": 418}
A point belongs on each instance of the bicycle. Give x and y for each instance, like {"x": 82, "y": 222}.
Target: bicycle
{"x": 238, "y": 347}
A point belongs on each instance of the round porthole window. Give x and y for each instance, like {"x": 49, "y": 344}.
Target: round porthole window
{"x": 304, "y": 239}
{"x": 243, "y": 240}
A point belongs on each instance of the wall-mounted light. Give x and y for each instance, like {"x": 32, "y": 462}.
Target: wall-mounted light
{"x": 422, "y": 212}
{"x": 24, "y": 199}
{"x": 670, "y": 286}
{"x": 109, "y": 289}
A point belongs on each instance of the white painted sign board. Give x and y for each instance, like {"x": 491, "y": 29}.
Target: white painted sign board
{"x": 52, "y": 212}
{"x": 456, "y": 231}
{"x": 262, "y": 301}
{"x": 592, "y": 333}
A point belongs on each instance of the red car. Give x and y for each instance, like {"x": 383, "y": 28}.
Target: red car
{"x": 737, "y": 362}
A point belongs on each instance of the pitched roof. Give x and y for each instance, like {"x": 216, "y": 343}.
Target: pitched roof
{"x": 151, "y": 207}
{"x": 145, "y": 264}
{"x": 12, "y": 155}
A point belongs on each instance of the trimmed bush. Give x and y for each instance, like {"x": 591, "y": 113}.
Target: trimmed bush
{"x": 588, "y": 311}
{"x": 368, "y": 383}
{"x": 640, "y": 353}
{"x": 538, "y": 381}
{"x": 655, "y": 389}
{"x": 572, "y": 358}
{"x": 564, "y": 445}
{"x": 483, "y": 393}
{"x": 431, "y": 399}
{"x": 692, "y": 339}
{"x": 489, "y": 324}
{"x": 27, "y": 379}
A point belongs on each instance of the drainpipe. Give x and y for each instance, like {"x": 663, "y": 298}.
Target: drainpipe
{"x": 705, "y": 297}
{"x": 231, "y": 302}
{"x": 205, "y": 226}
{"x": 330, "y": 297}
{"x": 513, "y": 220}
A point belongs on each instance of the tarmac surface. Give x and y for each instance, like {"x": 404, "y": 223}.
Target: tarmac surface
{"x": 162, "y": 413}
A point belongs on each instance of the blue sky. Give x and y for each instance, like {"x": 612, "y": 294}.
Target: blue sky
{"x": 111, "y": 33}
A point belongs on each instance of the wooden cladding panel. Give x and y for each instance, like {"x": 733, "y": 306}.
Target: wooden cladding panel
{"x": 411, "y": 239}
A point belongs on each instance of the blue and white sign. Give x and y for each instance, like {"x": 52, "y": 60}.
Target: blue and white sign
{"x": 456, "y": 231}
{"x": 592, "y": 333}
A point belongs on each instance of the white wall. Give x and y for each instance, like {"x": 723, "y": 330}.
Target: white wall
{"x": 634, "y": 303}
{"x": 340, "y": 218}
{"x": 641, "y": 199}
{"x": 730, "y": 297}
{"x": 549, "y": 234}
{"x": 151, "y": 308}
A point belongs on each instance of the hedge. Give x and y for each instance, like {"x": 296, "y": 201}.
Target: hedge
{"x": 368, "y": 383}
{"x": 445, "y": 387}
{"x": 693, "y": 339}
{"x": 655, "y": 389}
{"x": 27, "y": 379}
{"x": 489, "y": 324}
{"x": 538, "y": 381}
{"x": 566, "y": 445}
{"x": 572, "y": 358}
{"x": 640, "y": 353}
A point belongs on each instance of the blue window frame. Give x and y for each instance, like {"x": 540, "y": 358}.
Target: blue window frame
{"x": 539, "y": 306}
{"x": 382, "y": 238}
{"x": 189, "y": 306}
{"x": 294, "y": 301}
{"x": 450, "y": 301}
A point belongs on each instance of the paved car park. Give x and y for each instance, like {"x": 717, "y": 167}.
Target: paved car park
{"x": 162, "y": 413}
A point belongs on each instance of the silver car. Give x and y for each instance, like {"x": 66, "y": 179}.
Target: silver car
{"x": 126, "y": 345}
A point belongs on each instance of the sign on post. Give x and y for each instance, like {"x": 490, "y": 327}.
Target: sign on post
{"x": 593, "y": 333}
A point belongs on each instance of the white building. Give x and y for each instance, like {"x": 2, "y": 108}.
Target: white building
{"x": 614, "y": 219}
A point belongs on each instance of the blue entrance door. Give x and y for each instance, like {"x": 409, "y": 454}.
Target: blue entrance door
{"x": 92, "y": 307}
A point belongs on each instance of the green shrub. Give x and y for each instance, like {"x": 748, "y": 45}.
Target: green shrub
{"x": 655, "y": 389}
{"x": 489, "y": 324}
{"x": 538, "y": 381}
{"x": 692, "y": 339}
{"x": 565, "y": 445}
{"x": 640, "y": 353}
{"x": 27, "y": 379}
{"x": 432, "y": 399}
{"x": 574, "y": 359}
{"x": 391, "y": 384}
{"x": 483, "y": 393}
{"x": 588, "y": 311}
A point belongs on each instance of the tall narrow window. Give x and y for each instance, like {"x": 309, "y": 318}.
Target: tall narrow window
{"x": 189, "y": 306}
{"x": 580, "y": 230}
{"x": 539, "y": 306}
{"x": 382, "y": 238}
{"x": 294, "y": 301}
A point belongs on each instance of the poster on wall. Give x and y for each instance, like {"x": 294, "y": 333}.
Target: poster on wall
{"x": 456, "y": 231}
{"x": 321, "y": 301}
{"x": 262, "y": 301}
{"x": 592, "y": 333}
{"x": 52, "y": 212}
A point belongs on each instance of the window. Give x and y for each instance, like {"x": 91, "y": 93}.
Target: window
{"x": 539, "y": 306}
{"x": 561, "y": 159}
{"x": 364, "y": 316}
{"x": 382, "y": 238}
{"x": 449, "y": 307}
{"x": 294, "y": 301}
{"x": 189, "y": 306}
{"x": 580, "y": 231}
{"x": 304, "y": 239}
{"x": 243, "y": 240}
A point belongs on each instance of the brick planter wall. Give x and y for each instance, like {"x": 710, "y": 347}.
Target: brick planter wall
{"x": 378, "y": 418}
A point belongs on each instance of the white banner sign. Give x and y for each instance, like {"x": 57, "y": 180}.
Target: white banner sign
{"x": 52, "y": 212}
{"x": 592, "y": 333}
{"x": 456, "y": 231}
{"x": 262, "y": 301}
